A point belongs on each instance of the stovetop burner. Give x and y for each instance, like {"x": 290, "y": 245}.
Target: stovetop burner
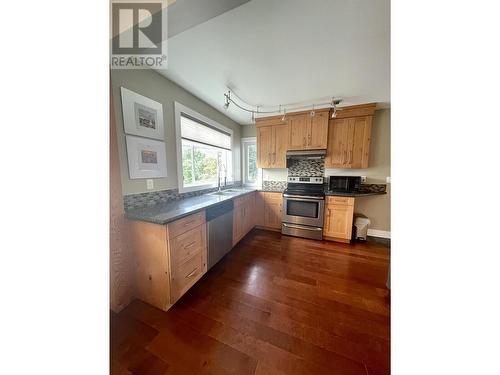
{"x": 305, "y": 185}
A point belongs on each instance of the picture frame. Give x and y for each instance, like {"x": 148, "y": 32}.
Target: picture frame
{"x": 146, "y": 158}
{"x": 142, "y": 116}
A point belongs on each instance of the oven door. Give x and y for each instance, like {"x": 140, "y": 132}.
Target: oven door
{"x": 303, "y": 210}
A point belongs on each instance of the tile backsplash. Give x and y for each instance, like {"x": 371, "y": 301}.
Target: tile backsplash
{"x": 301, "y": 168}
{"x": 152, "y": 198}
{"x": 274, "y": 185}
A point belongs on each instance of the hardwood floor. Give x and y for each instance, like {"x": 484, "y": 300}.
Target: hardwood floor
{"x": 274, "y": 305}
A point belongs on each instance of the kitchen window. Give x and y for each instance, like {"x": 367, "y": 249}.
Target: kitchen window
{"x": 203, "y": 151}
{"x": 251, "y": 174}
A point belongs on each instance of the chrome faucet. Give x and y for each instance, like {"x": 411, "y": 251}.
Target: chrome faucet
{"x": 219, "y": 168}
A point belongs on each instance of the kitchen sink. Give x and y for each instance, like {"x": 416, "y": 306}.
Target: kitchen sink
{"x": 223, "y": 192}
{"x": 230, "y": 192}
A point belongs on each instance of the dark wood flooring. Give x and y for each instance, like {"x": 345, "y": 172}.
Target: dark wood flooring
{"x": 274, "y": 305}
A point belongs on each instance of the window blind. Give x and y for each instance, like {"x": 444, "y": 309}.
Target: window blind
{"x": 196, "y": 131}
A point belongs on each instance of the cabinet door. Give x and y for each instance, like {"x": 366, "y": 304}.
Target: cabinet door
{"x": 337, "y": 138}
{"x": 259, "y": 208}
{"x": 360, "y": 150}
{"x": 280, "y": 139}
{"x": 338, "y": 221}
{"x": 318, "y": 131}
{"x": 298, "y": 131}
{"x": 250, "y": 213}
{"x": 264, "y": 146}
{"x": 238, "y": 220}
{"x": 272, "y": 210}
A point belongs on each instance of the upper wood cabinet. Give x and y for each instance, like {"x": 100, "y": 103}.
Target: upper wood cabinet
{"x": 298, "y": 128}
{"x": 306, "y": 132}
{"x": 349, "y": 137}
{"x": 272, "y": 136}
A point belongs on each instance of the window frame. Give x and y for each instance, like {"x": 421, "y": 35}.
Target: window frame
{"x": 178, "y": 110}
{"x": 244, "y": 142}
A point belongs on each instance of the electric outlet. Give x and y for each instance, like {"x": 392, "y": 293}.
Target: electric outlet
{"x": 363, "y": 179}
{"x": 150, "y": 184}
{"x": 388, "y": 180}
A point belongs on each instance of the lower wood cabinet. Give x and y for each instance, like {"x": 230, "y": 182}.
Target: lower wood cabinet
{"x": 243, "y": 216}
{"x": 269, "y": 209}
{"x": 170, "y": 258}
{"x": 339, "y": 213}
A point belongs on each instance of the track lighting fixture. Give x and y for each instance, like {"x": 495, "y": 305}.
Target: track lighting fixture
{"x": 334, "y": 113}
{"x": 284, "y": 116}
{"x": 334, "y": 104}
{"x": 277, "y": 109}
{"x": 228, "y": 96}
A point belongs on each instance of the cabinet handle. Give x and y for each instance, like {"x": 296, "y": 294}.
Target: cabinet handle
{"x": 192, "y": 273}
{"x": 309, "y": 139}
{"x": 350, "y": 157}
{"x": 344, "y": 159}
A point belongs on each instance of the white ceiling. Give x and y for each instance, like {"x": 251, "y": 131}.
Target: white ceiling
{"x": 277, "y": 52}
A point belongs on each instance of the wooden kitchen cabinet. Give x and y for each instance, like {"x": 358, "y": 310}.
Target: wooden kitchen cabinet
{"x": 269, "y": 209}
{"x": 243, "y": 216}
{"x": 298, "y": 129}
{"x": 349, "y": 137}
{"x": 306, "y": 132}
{"x": 170, "y": 258}
{"x": 272, "y": 143}
{"x": 339, "y": 213}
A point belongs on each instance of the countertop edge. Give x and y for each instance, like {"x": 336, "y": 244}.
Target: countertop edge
{"x": 354, "y": 195}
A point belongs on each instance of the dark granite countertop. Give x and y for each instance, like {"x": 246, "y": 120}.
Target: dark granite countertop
{"x": 340, "y": 194}
{"x": 166, "y": 212}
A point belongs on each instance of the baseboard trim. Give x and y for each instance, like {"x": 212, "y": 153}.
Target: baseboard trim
{"x": 379, "y": 233}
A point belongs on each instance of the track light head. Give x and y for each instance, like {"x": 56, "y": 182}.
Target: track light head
{"x": 284, "y": 116}
{"x": 335, "y": 103}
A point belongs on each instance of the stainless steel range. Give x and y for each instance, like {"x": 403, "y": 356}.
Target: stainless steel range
{"x": 303, "y": 207}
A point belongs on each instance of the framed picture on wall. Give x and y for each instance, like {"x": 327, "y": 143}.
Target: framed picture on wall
{"x": 142, "y": 116}
{"x": 146, "y": 158}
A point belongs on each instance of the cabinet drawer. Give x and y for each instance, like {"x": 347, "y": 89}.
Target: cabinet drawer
{"x": 187, "y": 223}
{"x": 273, "y": 197}
{"x": 184, "y": 275}
{"x": 187, "y": 244}
{"x": 346, "y": 201}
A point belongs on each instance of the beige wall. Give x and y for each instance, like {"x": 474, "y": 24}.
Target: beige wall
{"x": 377, "y": 208}
{"x": 248, "y": 131}
{"x": 155, "y": 86}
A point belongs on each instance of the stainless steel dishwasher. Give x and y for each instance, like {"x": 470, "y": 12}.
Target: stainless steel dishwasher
{"x": 220, "y": 231}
